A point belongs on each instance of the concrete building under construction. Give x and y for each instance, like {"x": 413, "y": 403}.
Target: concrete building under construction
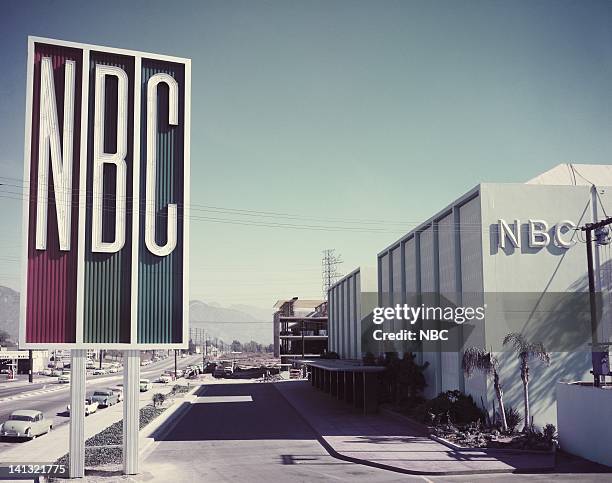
{"x": 300, "y": 328}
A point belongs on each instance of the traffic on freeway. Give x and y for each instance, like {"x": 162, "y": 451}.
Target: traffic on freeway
{"x": 52, "y": 399}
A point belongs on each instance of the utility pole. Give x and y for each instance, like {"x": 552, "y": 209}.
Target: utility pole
{"x": 599, "y": 351}
{"x": 329, "y": 272}
{"x": 31, "y": 371}
{"x": 302, "y": 330}
{"x": 175, "y": 358}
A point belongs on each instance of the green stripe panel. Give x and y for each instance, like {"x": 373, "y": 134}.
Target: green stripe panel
{"x": 160, "y": 279}
{"x": 107, "y": 284}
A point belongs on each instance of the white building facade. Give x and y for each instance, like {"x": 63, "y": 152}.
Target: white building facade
{"x": 499, "y": 238}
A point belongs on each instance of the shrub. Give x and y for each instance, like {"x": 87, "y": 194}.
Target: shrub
{"x": 513, "y": 418}
{"x": 158, "y": 399}
{"x": 454, "y": 405}
{"x": 550, "y": 432}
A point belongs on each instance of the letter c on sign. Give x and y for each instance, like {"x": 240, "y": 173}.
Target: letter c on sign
{"x": 154, "y": 248}
{"x": 559, "y": 241}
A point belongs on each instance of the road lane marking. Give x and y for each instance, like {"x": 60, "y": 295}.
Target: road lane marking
{"x": 222, "y": 399}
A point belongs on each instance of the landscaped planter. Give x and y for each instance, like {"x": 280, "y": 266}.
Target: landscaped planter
{"x": 457, "y": 447}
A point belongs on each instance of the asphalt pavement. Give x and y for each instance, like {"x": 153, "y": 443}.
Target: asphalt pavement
{"x": 249, "y": 432}
{"x": 53, "y": 403}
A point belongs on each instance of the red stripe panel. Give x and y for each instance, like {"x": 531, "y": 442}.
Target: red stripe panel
{"x": 52, "y": 274}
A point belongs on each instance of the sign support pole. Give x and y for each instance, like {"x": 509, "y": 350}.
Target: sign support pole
{"x": 77, "y": 413}
{"x": 131, "y": 411}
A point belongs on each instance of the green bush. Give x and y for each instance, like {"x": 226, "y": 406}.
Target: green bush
{"x": 454, "y": 405}
{"x": 158, "y": 399}
{"x": 513, "y": 418}
{"x": 549, "y": 432}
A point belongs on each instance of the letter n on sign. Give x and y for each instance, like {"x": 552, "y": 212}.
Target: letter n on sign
{"x": 106, "y": 176}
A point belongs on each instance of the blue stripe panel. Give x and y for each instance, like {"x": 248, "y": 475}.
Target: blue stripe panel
{"x": 160, "y": 279}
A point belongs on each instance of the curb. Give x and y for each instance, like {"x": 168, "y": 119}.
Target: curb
{"x": 163, "y": 424}
{"x": 491, "y": 451}
{"x": 351, "y": 459}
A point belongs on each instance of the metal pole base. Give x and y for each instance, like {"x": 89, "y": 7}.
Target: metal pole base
{"x": 77, "y": 413}
{"x": 131, "y": 411}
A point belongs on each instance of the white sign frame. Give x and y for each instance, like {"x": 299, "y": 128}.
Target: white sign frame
{"x": 138, "y": 57}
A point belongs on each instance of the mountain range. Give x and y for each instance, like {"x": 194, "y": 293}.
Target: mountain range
{"x": 236, "y": 322}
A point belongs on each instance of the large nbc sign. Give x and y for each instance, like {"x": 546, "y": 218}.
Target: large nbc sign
{"x": 106, "y": 224}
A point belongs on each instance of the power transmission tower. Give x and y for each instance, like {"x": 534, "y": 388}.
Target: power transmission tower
{"x": 329, "y": 271}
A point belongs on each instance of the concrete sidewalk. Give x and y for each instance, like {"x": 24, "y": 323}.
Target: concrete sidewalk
{"x": 385, "y": 442}
{"x": 49, "y": 447}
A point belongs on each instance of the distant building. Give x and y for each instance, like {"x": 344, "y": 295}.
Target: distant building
{"x": 300, "y": 328}
{"x": 18, "y": 361}
{"x": 351, "y": 299}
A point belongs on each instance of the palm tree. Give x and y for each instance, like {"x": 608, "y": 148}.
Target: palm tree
{"x": 526, "y": 351}
{"x": 477, "y": 359}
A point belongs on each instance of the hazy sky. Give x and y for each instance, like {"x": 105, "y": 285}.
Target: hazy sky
{"x": 337, "y": 113}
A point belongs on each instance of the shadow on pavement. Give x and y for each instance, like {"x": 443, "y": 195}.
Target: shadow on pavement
{"x": 267, "y": 416}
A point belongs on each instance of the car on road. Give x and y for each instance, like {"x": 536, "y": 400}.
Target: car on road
{"x": 56, "y": 372}
{"x": 99, "y": 372}
{"x": 145, "y": 385}
{"x": 91, "y": 407}
{"x": 105, "y": 397}
{"x": 113, "y": 370}
{"x": 46, "y": 372}
{"x": 26, "y": 423}
{"x": 164, "y": 379}
{"x": 224, "y": 368}
{"x": 63, "y": 379}
{"x": 118, "y": 390}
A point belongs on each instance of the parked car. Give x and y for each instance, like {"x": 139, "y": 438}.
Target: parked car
{"x": 63, "y": 379}
{"x": 113, "y": 370}
{"x": 118, "y": 390}
{"x": 91, "y": 407}
{"x": 99, "y": 372}
{"x": 164, "y": 378}
{"x": 56, "y": 372}
{"x": 145, "y": 385}
{"x": 47, "y": 372}
{"x": 105, "y": 397}
{"x": 66, "y": 372}
{"x": 26, "y": 423}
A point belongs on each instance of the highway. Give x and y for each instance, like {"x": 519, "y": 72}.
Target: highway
{"x": 53, "y": 404}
